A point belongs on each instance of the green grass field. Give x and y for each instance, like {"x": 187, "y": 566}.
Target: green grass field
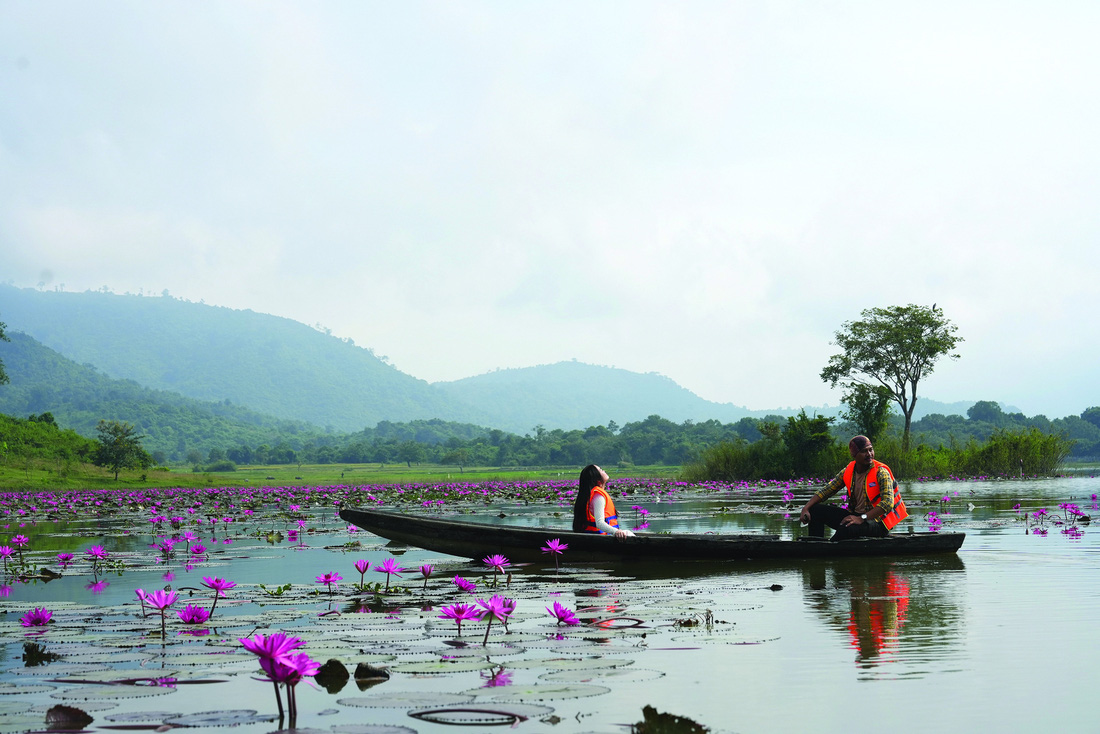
{"x": 30, "y": 476}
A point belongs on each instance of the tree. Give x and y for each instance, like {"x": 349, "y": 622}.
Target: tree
{"x": 119, "y": 448}
{"x": 893, "y": 347}
{"x": 986, "y": 411}
{"x": 868, "y": 409}
{"x": 805, "y": 439}
{"x": 3, "y": 337}
{"x": 410, "y": 451}
{"x": 1092, "y": 415}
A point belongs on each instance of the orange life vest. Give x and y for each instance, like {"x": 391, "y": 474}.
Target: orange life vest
{"x": 609, "y": 515}
{"x": 874, "y": 492}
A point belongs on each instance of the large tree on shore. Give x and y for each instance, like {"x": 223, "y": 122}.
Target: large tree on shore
{"x": 893, "y": 348}
{"x": 119, "y": 447}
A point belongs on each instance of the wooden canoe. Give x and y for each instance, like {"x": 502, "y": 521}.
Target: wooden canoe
{"x": 517, "y": 543}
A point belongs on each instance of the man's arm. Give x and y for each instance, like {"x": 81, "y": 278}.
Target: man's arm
{"x": 821, "y": 495}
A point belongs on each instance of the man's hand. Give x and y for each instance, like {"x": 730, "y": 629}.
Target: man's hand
{"x": 852, "y": 520}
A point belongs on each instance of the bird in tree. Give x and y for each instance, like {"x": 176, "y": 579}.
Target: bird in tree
{"x": 894, "y": 348}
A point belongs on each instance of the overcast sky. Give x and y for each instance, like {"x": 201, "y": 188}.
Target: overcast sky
{"x": 704, "y": 190}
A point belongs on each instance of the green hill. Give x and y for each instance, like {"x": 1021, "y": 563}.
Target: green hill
{"x": 273, "y": 365}
{"x": 79, "y": 397}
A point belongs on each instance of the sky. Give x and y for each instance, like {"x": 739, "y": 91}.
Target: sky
{"x": 706, "y": 190}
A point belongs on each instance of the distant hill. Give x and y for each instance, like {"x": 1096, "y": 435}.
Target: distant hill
{"x": 283, "y": 369}
{"x": 79, "y": 397}
{"x": 272, "y": 365}
{"x": 577, "y": 395}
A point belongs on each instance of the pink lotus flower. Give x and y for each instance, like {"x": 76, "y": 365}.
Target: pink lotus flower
{"x": 460, "y": 612}
{"x": 426, "y": 571}
{"x": 64, "y": 559}
{"x": 329, "y": 580}
{"x": 271, "y": 646}
{"x": 20, "y": 540}
{"x": 37, "y": 617}
{"x": 275, "y": 660}
{"x": 555, "y": 547}
{"x": 467, "y": 586}
{"x": 160, "y": 600}
{"x": 218, "y": 586}
{"x": 496, "y": 608}
{"x": 389, "y": 567}
{"x": 563, "y": 614}
{"x": 192, "y": 614}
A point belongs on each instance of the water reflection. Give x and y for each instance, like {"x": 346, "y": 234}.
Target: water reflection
{"x": 897, "y": 615}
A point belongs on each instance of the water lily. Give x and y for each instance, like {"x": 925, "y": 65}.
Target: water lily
{"x": 64, "y": 559}
{"x": 272, "y": 648}
{"x": 426, "y": 571}
{"x": 160, "y": 600}
{"x": 37, "y": 617}
{"x": 460, "y": 612}
{"x": 192, "y": 614}
{"x": 555, "y": 548}
{"x": 390, "y": 568}
{"x": 329, "y": 580}
{"x": 563, "y": 614}
{"x": 218, "y": 586}
{"x": 498, "y": 563}
{"x": 464, "y": 585}
{"x": 362, "y": 567}
{"x": 496, "y": 608}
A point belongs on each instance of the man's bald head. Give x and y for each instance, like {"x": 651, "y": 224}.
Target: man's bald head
{"x": 857, "y": 444}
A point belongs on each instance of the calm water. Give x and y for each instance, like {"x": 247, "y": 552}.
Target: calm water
{"x": 1001, "y": 637}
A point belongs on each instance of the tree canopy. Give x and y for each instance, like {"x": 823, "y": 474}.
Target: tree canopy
{"x": 893, "y": 347}
{"x": 119, "y": 447}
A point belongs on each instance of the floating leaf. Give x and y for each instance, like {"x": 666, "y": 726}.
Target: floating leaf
{"x": 442, "y": 667}
{"x": 540, "y": 692}
{"x": 232, "y": 717}
{"x": 491, "y": 715}
{"x": 408, "y": 699}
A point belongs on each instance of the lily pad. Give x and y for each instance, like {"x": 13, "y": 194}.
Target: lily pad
{"x": 442, "y": 667}
{"x": 540, "y": 692}
{"x": 484, "y": 715}
{"x": 407, "y": 699}
{"x": 230, "y": 717}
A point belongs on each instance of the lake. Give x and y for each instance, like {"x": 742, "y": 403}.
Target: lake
{"x": 998, "y": 637}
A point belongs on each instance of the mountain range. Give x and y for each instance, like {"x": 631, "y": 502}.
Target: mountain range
{"x": 274, "y": 370}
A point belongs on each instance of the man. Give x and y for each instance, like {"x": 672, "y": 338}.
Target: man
{"x": 874, "y": 503}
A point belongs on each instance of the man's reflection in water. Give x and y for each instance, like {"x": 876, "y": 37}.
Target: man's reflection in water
{"x": 879, "y": 604}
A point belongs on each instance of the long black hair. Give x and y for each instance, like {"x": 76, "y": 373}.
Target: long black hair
{"x": 590, "y": 477}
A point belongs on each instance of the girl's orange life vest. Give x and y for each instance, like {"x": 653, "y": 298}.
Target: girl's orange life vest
{"x": 874, "y": 492}
{"x": 609, "y": 515}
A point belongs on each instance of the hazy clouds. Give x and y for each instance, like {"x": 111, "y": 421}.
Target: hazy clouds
{"x": 706, "y": 190}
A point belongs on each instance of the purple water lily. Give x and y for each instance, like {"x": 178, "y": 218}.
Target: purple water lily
{"x": 37, "y": 617}
{"x": 563, "y": 614}
{"x": 461, "y": 612}
{"x": 390, "y": 568}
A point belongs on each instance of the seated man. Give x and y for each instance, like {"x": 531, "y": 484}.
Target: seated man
{"x": 874, "y": 503}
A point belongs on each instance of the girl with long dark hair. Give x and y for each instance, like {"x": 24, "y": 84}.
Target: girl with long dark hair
{"x": 594, "y": 510}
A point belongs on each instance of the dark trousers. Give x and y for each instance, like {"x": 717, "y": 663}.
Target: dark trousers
{"x": 831, "y": 515}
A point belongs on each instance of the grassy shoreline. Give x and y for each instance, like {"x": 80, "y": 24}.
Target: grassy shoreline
{"x": 29, "y": 477}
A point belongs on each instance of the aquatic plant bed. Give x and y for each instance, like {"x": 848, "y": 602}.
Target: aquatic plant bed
{"x": 398, "y": 640}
